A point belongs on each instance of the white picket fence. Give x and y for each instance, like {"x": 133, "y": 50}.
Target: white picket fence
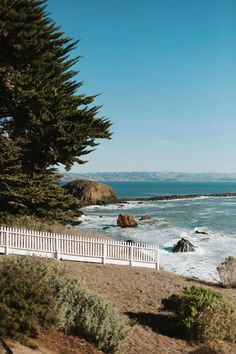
{"x": 77, "y": 248}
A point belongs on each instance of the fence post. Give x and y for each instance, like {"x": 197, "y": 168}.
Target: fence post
{"x": 57, "y": 248}
{"x": 131, "y": 250}
{"x": 104, "y": 253}
{"x": 7, "y": 242}
{"x": 157, "y": 259}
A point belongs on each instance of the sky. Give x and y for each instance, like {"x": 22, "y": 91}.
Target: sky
{"x": 166, "y": 74}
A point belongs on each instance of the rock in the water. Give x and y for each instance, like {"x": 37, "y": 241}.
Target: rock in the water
{"x": 183, "y": 245}
{"x": 91, "y": 193}
{"x": 145, "y": 217}
{"x": 106, "y": 227}
{"x": 125, "y": 220}
{"x": 201, "y": 232}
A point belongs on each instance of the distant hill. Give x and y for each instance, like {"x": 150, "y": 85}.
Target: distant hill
{"x": 152, "y": 176}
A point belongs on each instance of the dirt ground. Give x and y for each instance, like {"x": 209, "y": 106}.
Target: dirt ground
{"x": 136, "y": 293}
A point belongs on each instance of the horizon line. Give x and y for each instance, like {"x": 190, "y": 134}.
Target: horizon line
{"x": 153, "y": 171}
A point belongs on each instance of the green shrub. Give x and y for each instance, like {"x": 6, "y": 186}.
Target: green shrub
{"x": 27, "y": 300}
{"x": 97, "y": 320}
{"x": 84, "y": 313}
{"x": 202, "y": 314}
{"x": 227, "y": 272}
{"x": 70, "y": 293}
{"x": 37, "y": 292}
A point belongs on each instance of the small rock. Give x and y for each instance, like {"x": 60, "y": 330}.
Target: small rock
{"x": 125, "y": 220}
{"x": 130, "y": 242}
{"x": 145, "y": 217}
{"x": 201, "y": 232}
{"x": 183, "y": 245}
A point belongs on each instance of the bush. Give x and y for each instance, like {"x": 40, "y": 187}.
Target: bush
{"x": 27, "y": 300}
{"x": 37, "y": 292}
{"x": 202, "y": 314}
{"x": 227, "y": 272}
{"x": 84, "y": 313}
{"x": 97, "y": 320}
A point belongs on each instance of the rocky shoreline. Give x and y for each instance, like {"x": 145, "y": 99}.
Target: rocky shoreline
{"x": 93, "y": 193}
{"x": 176, "y": 196}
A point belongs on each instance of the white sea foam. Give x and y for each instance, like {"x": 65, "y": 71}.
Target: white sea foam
{"x": 203, "y": 197}
{"x": 101, "y": 207}
{"x": 172, "y": 221}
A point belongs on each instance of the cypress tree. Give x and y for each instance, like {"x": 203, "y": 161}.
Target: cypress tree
{"x": 44, "y": 119}
{"x": 39, "y": 100}
{"x": 37, "y": 195}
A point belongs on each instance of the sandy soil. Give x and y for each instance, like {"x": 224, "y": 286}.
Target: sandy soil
{"x": 136, "y": 293}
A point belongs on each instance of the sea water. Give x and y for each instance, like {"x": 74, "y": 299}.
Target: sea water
{"x": 134, "y": 189}
{"x": 171, "y": 220}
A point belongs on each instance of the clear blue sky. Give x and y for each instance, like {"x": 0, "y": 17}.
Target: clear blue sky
{"x": 166, "y": 71}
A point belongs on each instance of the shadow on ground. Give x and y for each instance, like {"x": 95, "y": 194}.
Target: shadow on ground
{"x": 160, "y": 323}
{"x": 207, "y": 350}
{"x": 166, "y": 325}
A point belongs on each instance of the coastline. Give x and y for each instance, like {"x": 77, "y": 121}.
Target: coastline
{"x": 212, "y": 215}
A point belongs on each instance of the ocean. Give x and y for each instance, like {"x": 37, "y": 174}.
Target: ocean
{"x": 172, "y": 220}
{"x": 152, "y": 188}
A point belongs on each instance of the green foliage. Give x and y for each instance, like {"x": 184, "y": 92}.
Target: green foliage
{"x": 36, "y": 292}
{"x": 44, "y": 121}
{"x": 10, "y": 156}
{"x": 38, "y": 92}
{"x": 97, "y": 320}
{"x": 70, "y": 292}
{"x": 27, "y": 300}
{"x": 202, "y": 314}
{"x": 227, "y": 272}
{"x": 39, "y": 195}
{"x": 89, "y": 315}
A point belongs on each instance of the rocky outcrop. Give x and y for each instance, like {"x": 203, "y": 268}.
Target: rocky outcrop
{"x": 125, "y": 220}
{"x": 177, "y": 196}
{"x": 145, "y": 217}
{"x": 91, "y": 193}
{"x": 183, "y": 245}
